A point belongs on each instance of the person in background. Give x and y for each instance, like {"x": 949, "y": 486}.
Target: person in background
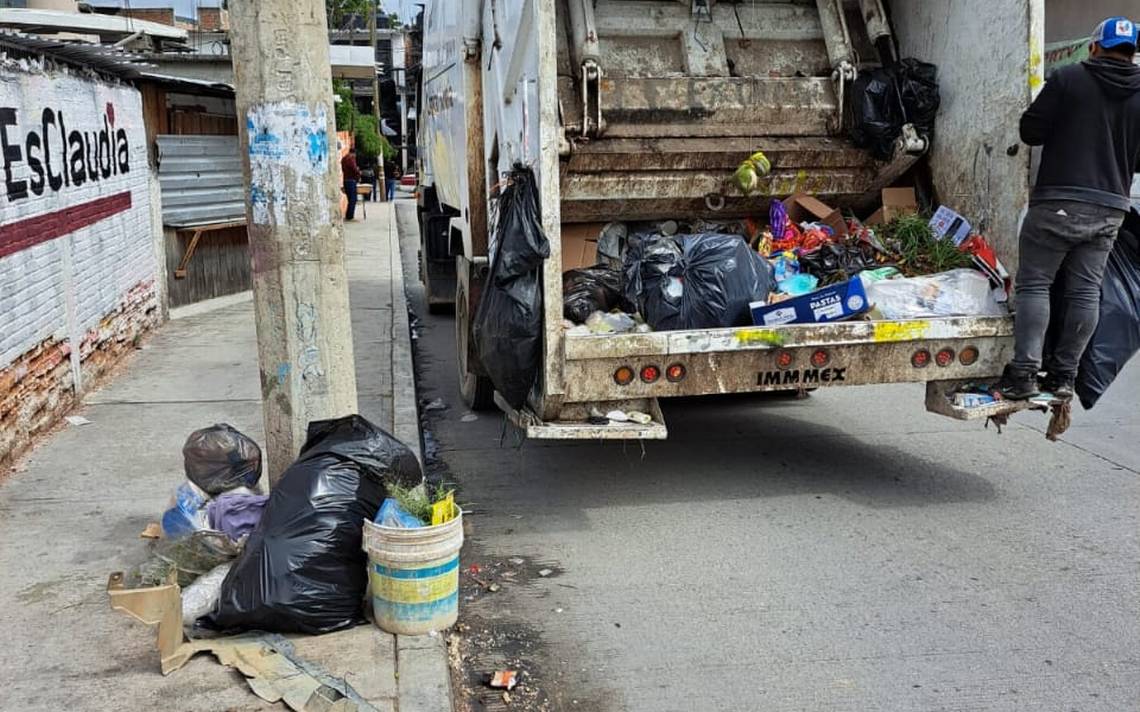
{"x": 1087, "y": 119}
{"x": 351, "y": 173}
{"x": 391, "y": 178}
{"x": 368, "y": 168}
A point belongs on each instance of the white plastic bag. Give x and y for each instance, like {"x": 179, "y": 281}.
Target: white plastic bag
{"x": 959, "y": 292}
{"x": 200, "y": 597}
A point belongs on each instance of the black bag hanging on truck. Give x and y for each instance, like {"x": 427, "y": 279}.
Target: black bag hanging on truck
{"x": 303, "y": 570}
{"x": 918, "y": 87}
{"x": 877, "y": 112}
{"x": 507, "y": 329}
{"x": 1117, "y": 335}
{"x": 884, "y": 99}
{"x": 219, "y": 459}
{"x": 700, "y": 281}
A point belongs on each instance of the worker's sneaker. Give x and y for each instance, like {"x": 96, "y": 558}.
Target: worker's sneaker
{"x": 1017, "y": 384}
{"x": 1058, "y": 385}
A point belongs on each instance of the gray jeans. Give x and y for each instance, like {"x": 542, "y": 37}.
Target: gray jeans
{"x": 1071, "y": 240}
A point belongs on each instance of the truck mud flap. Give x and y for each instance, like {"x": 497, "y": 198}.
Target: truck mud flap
{"x": 938, "y": 400}
{"x": 535, "y": 428}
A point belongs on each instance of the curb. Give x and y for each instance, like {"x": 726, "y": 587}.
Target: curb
{"x": 423, "y": 675}
{"x": 405, "y": 409}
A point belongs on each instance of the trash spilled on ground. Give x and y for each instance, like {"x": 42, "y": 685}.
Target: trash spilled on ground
{"x": 227, "y": 558}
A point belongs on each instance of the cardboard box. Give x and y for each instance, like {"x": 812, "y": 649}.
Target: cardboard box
{"x": 835, "y": 303}
{"x": 948, "y": 224}
{"x": 896, "y": 203}
{"x": 804, "y": 208}
{"x": 580, "y": 245}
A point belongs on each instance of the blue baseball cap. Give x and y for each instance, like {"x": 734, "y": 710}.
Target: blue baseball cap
{"x": 1114, "y": 32}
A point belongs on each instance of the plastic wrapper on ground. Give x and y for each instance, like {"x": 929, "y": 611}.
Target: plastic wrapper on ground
{"x": 220, "y": 458}
{"x": 960, "y": 292}
{"x": 200, "y": 597}
{"x": 303, "y": 569}
{"x": 700, "y": 281}
{"x": 186, "y": 513}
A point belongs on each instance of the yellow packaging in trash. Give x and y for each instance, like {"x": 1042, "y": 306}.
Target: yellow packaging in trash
{"x": 443, "y": 511}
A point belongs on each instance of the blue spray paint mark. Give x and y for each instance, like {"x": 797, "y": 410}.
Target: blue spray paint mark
{"x": 283, "y": 370}
{"x": 318, "y": 147}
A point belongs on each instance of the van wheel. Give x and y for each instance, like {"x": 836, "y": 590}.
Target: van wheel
{"x": 477, "y": 391}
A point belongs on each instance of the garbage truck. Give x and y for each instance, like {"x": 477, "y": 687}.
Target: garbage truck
{"x": 638, "y": 110}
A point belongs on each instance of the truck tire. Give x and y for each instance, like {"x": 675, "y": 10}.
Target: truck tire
{"x": 476, "y": 390}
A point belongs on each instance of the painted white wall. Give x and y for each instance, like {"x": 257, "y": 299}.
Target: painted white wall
{"x": 63, "y": 288}
{"x": 988, "y": 54}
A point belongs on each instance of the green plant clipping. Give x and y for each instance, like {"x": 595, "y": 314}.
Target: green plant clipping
{"x": 919, "y": 251}
{"x": 418, "y": 500}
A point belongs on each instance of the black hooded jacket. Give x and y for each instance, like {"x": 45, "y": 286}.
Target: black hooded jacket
{"x": 1087, "y": 117}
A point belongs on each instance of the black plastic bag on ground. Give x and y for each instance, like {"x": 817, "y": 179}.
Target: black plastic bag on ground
{"x": 1117, "y": 336}
{"x": 219, "y": 459}
{"x": 585, "y": 291}
{"x": 700, "y": 281}
{"x": 302, "y": 570}
{"x": 507, "y": 329}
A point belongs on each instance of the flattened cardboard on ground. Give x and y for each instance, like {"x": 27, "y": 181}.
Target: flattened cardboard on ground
{"x": 272, "y": 672}
{"x": 580, "y": 245}
{"x": 802, "y": 207}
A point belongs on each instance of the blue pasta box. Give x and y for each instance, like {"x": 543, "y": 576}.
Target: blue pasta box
{"x": 833, "y": 303}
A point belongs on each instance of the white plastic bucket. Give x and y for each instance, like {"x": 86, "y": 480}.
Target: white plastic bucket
{"x": 414, "y": 574}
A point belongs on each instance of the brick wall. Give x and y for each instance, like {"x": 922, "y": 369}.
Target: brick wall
{"x": 77, "y": 259}
{"x": 162, "y": 15}
{"x": 213, "y": 19}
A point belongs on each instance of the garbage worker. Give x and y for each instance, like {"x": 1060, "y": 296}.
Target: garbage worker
{"x": 1087, "y": 121}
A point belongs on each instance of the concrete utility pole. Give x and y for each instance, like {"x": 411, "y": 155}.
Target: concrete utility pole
{"x": 288, "y": 136}
{"x": 376, "y": 97}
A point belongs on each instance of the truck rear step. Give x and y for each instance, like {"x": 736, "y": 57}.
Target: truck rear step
{"x": 570, "y": 428}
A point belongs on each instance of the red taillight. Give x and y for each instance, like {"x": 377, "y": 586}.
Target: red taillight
{"x": 675, "y": 373}
{"x": 968, "y": 356}
{"x": 944, "y": 358}
{"x": 623, "y": 376}
{"x": 650, "y": 374}
{"x": 921, "y": 359}
{"x": 820, "y": 358}
{"x": 784, "y": 359}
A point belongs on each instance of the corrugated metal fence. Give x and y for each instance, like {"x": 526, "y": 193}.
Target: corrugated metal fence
{"x": 201, "y": 179}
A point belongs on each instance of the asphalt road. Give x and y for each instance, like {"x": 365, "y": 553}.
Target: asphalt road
{"x": 847, "y": 552}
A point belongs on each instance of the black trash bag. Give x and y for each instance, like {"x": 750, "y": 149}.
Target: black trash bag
{"x": 303, "y": 570}
{"x": 585, "y": 291}
{"x": 219, "y": 459}
{"x": 700, "y": 281}
{"x": 918, "y": 87}
{"x": 878, "y": 114}
{"x": 1117, "y": 336}
{"x": 507, "y": 329}
{"x": 884, "y": 99}
{"x": 832, "y": 263}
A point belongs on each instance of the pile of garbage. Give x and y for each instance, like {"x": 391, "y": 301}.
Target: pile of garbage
{"x": 290, "y": 561}
{"x": 806, "y": 263}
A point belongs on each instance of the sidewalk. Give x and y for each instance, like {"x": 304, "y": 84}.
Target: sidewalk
{"x": 74, "y": 510}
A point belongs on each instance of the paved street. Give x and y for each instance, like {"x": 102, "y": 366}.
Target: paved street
{"x": 849, "y": 552}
